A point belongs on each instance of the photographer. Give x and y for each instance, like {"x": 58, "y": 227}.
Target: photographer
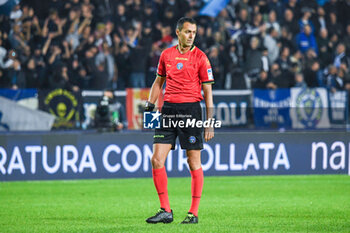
{"x": 110, "y": 114}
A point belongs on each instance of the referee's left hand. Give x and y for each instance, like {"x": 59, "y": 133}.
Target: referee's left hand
{"x": 208, "y": 133}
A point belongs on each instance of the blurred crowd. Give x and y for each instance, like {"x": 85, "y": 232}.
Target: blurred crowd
{"x": 115, "y": 44}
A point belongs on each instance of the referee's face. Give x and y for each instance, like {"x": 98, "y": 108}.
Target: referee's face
{"x": 187, "y": 34}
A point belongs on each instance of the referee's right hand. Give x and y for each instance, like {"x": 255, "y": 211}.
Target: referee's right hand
{"x": 208, "y": 133}
{"x": 149, "y": 106}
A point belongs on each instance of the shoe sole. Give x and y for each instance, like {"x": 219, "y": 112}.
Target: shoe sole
{"x": 165, "y": 222}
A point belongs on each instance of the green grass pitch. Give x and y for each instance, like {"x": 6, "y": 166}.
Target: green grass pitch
{"x": 228, "y": 204}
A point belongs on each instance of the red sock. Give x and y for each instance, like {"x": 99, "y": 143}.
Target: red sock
{"x": 160, "y": 180}
{"x": 197, "y": 186}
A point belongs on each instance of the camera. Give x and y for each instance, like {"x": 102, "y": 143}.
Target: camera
{"x": 102, "y": 115}
{"x": 106, "y": 118}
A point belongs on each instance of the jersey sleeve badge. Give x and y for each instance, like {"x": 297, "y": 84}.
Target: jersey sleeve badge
{"x": 210, "y": 74}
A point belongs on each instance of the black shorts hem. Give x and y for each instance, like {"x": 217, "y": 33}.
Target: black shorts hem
{"x": 167, "y": 143}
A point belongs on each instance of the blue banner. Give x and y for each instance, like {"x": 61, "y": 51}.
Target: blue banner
{"x": 18, "y": 94}
{"x": 123, "y": 155}
{"x": 271, "y": 108}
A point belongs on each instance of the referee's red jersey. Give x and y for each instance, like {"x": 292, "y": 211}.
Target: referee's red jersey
{"x": 185, "y": 74}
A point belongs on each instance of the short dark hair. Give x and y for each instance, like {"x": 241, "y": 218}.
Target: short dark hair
{"x": 181, "y": 21}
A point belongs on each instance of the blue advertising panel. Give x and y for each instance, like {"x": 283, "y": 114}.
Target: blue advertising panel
{"x": 123, "y": 155}
{"x": 271, "y": 108}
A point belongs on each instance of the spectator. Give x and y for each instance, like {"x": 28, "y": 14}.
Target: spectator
{"x": 325, "y": 51}
{"x": 31, "y": 75}
{"x": 138, "y": 59}
{"x": 339, "y": 82}
{"x": 333, "y": 26}
{"x": 294, "y": 7}
{"x": 309, "y": 4}
{"x": 290, "y": 22}
{"x": 61, "y": 79}
{"x": 253, "y": 62}
{"x": 286, "y": 39}
{"x": 257, "y": 27}
{"x": 346, "y": 39}
{"x": 278, "y": 79}
{"x": 340, "y": 56}
{"x": 305, "y": 20}
{"x": 121, "y": 19}
{"x": 262, "y": 81}
{"x": 299, "y": 80}
{"x": 272, "y": 22}
{"x": 55, "y": 55}
{"x": 284, "y": 59}
{"x": 331, "y": 6}
{"x": 215, "y": 61}
{"x": 233, "y": 78}
{"x": 265, "y": 60}
{"x": 103, "y": 34}
{"x": 16, "y": 38}
{"x": 321, "y": 22}
{"x": 336, "y": 79}
{"x": 277, "y": 7}
{"x": 15, "y": 75}
{"x": 149, "y": 17}
{"x": 153, "y": 63}
{"x": 104, "y": 10}
{"x": 170, "y": 18}
{"x": 270, "y": 42}
{"x": 99, "y": 77}
{"x": 123, "y": 64}
{"x": 306, "y": 40}
{"x": 201, "y": 40}
{"x": 84, "y": 78}
{"x": 309, "y": 57}
{"x": 313, "y": 74}
{"x": 106, "y": 56}
{"x": 6, "y": 60}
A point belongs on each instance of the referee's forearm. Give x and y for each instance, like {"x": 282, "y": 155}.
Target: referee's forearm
{"x": 209, "y": 107}
{"x": 208, "y": 98}
{"x": 155, "y": 89}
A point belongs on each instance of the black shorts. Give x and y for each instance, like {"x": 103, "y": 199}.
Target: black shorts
{"x": 191, "y": 138}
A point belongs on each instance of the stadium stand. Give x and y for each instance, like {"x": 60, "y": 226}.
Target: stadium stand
{"x": 83, "y": 45}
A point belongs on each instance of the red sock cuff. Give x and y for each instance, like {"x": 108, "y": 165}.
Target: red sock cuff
{"x": 197, "y": 172}
{"x": 158, "y": 171}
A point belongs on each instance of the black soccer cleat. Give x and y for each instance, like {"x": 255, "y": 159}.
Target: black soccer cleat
{"x": 161, "y": 216}
{"x": 190, "y": 219}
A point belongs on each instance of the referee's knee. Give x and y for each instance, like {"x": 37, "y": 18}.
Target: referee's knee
{"x": 156, "y": 162}
{"x": 194, "y": 164}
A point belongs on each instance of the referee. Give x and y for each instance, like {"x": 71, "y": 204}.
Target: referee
{"x": 186, "y": 69}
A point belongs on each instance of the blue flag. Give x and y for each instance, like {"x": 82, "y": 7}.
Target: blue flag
{"x": 213, "y": 7}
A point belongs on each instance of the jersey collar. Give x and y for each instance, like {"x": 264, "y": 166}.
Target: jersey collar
{"x": 191, "y": 49}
